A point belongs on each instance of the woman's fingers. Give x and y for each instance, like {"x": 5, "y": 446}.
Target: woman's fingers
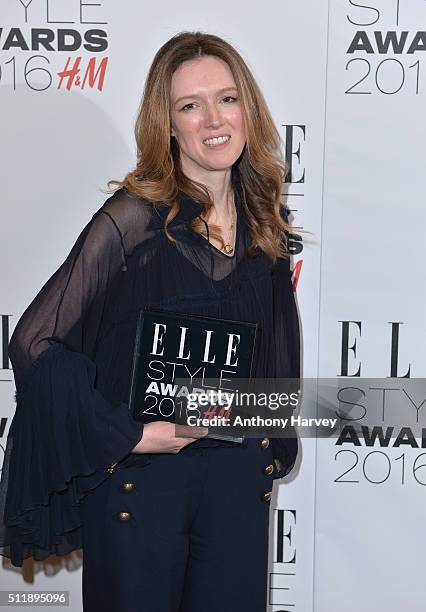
{"x": 189, "y": 431}
{"x": 161, "y": 436}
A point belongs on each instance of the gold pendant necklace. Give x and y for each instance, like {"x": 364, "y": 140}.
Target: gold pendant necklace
{"x": 228, "y": 248}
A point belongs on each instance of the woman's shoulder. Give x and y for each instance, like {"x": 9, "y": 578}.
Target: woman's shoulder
{"x": 125, "y": 207}
{"x": 131, "y": 216}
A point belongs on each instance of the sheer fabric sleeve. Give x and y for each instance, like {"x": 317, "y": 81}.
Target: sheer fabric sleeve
{"x": 287, "y": 338}
{"x": 64, "y": 432}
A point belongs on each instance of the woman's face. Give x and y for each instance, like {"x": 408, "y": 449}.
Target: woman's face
{"x": 204, "y": 105}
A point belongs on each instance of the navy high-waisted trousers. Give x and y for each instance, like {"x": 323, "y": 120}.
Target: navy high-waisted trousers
{"x": 186, "y": 533}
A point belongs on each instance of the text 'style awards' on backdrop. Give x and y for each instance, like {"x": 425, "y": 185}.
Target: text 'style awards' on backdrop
{"x": 187, "y": 367}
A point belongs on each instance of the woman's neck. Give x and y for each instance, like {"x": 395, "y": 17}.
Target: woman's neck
{"x": 219, "y": 186}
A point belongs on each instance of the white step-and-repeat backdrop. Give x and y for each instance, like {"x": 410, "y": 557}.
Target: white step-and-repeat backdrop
{"x": 346, "y": 83}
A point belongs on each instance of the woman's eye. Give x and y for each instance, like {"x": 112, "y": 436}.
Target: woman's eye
{"x": 191, "y": 105}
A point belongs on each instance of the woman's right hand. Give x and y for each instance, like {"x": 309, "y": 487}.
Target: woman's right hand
{"x": 165, "y": 437}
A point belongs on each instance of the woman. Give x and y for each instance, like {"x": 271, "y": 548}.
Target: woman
{"x": 169, "y": 520}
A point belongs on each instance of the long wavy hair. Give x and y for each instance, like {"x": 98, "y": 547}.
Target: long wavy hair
{"x": 158, "y": 176}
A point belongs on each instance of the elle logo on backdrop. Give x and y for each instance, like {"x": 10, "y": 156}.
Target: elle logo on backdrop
{"x": 350, "y": 350}
{"x": 281, "y": 583}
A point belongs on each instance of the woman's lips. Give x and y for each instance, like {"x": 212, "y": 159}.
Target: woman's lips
{"x": 217, "y": 143}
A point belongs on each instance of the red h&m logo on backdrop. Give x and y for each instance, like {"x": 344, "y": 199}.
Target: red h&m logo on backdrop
{"x": 74, "y": 76}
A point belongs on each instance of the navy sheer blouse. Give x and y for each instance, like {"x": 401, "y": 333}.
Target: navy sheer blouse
{"x": 72, "y": 350}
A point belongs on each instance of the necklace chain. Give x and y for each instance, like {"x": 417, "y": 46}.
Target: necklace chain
{"x": 228, "y": 248}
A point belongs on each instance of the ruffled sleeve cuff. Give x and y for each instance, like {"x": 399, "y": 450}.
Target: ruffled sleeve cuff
{"x": 63, "y": 437}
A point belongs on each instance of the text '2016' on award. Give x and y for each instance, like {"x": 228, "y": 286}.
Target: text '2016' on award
{"x": 180, "y": 357}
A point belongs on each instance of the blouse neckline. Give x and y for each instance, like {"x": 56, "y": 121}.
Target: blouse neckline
{"x": 190, "y": 208}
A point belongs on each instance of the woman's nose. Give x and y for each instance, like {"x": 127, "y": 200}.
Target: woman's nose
{"x": 213, "y": 116}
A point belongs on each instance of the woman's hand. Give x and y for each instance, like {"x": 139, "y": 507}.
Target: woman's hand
{"x": 165, "y": 437}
